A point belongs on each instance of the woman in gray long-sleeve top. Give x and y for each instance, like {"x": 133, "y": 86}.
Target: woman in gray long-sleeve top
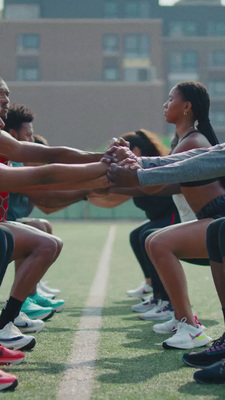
{"x": 187, "y": 103}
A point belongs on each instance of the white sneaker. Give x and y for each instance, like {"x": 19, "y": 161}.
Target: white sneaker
{"x": 43, "y": 286}
{"x": 42, "y": 293}
{"x": 27, "y": 325}
{"x": 167, "y": 327}
{"x": 171, "y": 326}
{"x": 187, "y": 337}
{"x": 147, "y": 305}
{"x": 12, "y": 338}
{"x": 161, "y": 312}
{"x": 144, "y": 290}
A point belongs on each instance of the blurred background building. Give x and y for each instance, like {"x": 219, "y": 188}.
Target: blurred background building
{"x": 94, "y": 69}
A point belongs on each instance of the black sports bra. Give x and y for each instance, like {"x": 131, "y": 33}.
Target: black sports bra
{"x": 196, "y": 183}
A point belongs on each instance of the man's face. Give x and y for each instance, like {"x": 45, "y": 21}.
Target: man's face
{"x": 4, "y": 99}
{"x": 26, "y": 132}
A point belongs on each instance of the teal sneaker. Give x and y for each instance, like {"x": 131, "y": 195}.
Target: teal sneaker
{"x": 34, "y": 311}
{"x": 42, "y": 301}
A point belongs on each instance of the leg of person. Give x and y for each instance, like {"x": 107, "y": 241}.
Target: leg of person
{"x": 215, "y": 239}
{"x": 165, "y": 248}
{"x": 152, "y": 308}
{"x": 159, "y": 306}
{"x": 6, "y": 250}
{"x": 39, "y": 251}
{"x": 145, "y": 287}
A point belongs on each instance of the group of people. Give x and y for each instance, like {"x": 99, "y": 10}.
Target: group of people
{"x": 181, "y": 202}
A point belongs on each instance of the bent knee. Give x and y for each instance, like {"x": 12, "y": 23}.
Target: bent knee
{"x": 154, "y": 245}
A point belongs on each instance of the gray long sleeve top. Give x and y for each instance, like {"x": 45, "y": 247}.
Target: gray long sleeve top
{"x": 193, "y": 165}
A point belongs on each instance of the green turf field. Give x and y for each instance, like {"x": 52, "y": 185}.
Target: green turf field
{"x": 131, "y": 364}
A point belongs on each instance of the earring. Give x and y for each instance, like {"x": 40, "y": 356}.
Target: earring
{"x": 185, "y": 113}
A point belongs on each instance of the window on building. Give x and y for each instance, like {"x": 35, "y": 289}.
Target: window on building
{"x": 110, "y": 43}
{"x": 28, "y": 42}
{"x": 183, "y": 61}
{"x": 22, "y": 11}
{"x": 137, "y": 45}
{"x": 111, "y": 9}
{"x": 183, "y": 28}
{"x": 217, "y": 58}
{"x": 216, "y": 88}
{"x": 110, "y": 74}
{"x": 137, "y": 9}
{"x": 216, "y": 28}
{"x": 137, "y": 74}
{"x": 27, "y": 74}
{"x": 217, "y": 118}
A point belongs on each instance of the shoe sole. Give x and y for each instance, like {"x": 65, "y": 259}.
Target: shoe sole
{"x": 190, "y": 346}
{"x": 43, "y": 317}
{"x": 9, "y": 386}
{"x": 11, "y": 362}
{"x": 141, "y": 311}
{"x": 59, "y": 309}
{"x": 189, "y": 364}
{"x": 155, "y": 318}
{"x": 29, "y": 329}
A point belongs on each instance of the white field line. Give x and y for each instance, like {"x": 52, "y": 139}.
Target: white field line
{"x": 77, "y": 381}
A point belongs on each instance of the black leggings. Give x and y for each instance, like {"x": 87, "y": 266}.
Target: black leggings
{"x": 6, "y": 250}
{"x": 215, "y": 240}
{"x": 137, "y": 241}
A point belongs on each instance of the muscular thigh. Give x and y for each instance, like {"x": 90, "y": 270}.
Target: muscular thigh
{"x": 26, "y": 238}
{"x": 185, "y": 240}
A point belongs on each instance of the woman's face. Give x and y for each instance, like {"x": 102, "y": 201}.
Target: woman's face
{"x": 174, "y": 108}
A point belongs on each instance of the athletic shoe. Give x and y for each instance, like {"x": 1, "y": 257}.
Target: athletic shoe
{"x": 213, "y": 374}
{"x": 27, "y": 325}
{"x": 12, "y": 338}
{"x": 161, "y": 312}
{"x": 187, "y": 337}
{"x": 8, "y": 356}
{"x": 34, "y": 311}
{"x": 144, "y": 290}
{"x": 207, "y": 357}
{"x": 57, "y": 305}
{"x": 167, "y": 327}
{"x": 42, "y": 293}
{"x": 43, "y": 286}
{"x": 171, "y": 326}
{"x": 7, "y": 381}
{"x": 146, "y": 305}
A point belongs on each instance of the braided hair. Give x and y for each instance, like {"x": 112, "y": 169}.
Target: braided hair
{"x": 196, "y": 93}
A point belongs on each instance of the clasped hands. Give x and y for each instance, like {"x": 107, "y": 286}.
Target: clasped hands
{"x": 122, "y": 163}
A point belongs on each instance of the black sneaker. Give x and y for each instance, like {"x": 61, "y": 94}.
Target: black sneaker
{"x": 207, "y": 357}
{"x": 213, "y": 374}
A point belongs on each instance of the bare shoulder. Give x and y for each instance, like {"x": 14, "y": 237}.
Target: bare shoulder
{"x": 194, "y": 141}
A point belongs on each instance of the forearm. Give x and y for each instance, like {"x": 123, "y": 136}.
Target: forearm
{"x": 206, "y": 165}
{"x": 151, "y": 162}
{"x": 55, "y": 198}
{"x": 32, "y": 152}
{"x": 14, "y": 179}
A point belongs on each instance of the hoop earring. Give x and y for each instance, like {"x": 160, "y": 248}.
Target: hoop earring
{"x": 185, "y": 113}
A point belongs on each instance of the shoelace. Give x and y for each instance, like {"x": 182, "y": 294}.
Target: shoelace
{"x": 218, "y": 344}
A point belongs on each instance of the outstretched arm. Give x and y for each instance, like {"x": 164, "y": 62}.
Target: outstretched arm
{"x": 15, "y": 150}
{"x": 206, "y": 165}
{"x": 15, "y": 179}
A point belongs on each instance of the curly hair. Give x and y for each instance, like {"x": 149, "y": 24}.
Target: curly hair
{"x": 17, "y": 115}
{"x": 148, "y": 143}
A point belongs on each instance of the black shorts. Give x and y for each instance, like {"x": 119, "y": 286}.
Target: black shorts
{"x": 215, "y": 209}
